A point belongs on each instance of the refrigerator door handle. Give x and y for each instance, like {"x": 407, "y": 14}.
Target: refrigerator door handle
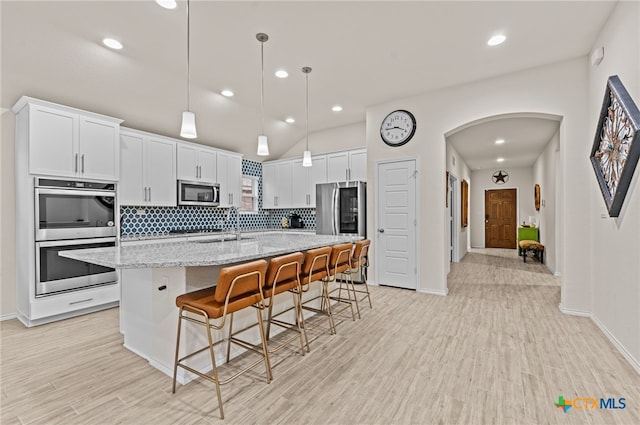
{"x": 335, "y": 207}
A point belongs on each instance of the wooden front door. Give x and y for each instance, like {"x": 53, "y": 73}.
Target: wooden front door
{"x": 500, "y": 218}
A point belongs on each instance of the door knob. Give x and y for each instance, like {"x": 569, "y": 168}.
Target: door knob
{"x": 381, "y": 230}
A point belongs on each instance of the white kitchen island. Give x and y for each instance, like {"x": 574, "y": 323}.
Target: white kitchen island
{"x": 153, "y": 274}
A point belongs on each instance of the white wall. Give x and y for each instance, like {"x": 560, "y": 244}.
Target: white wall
{"x": 558, "y": 89}
{"x": 520, "y": 178}
{"x": 544, "y": 174}
{"x": 7, "y": 217}
{"x": 334, "y": 139}
{"x": 615, "y": 243}
{"x": 461, "y": 171}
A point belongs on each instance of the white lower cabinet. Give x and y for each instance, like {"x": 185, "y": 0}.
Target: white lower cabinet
{"x": 148, "y": 170}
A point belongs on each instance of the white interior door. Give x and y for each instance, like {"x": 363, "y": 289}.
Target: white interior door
{"x": 397, "y": 226}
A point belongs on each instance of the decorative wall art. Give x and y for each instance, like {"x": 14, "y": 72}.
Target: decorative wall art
{"x": 616, "y": 147}
{"x": 446, "y": 193}
{"x": 536, "y": 196}
{"x": 464, "y": 204}
{"x": 500, "y": 177}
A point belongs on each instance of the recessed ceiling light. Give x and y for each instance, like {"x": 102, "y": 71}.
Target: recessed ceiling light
{"x": 226, "y": 93}
{"x": 499, "y": 141}
{"x": 337, "y": 108}
{"x": 281, "y": 73}
{"x": 496, "y": 39}
{"x": 112, "y": 44}
{"x": 500, "y": 159}
{"x": 290, "y": 120}
{"x": 167, "y": 4}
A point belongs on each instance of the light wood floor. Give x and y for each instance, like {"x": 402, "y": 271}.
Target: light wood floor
{"x": 495, "y": 350}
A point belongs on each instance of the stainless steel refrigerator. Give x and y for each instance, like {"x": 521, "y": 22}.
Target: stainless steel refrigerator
{"x": 341, "y": 208}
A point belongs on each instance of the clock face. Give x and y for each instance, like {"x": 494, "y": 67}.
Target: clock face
{"x": 398, "y": 128}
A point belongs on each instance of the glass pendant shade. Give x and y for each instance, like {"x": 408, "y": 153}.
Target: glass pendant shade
{"x": 188, "y": 130}
{"x": 263, "y": 147}
{"x": 306, "y": 159}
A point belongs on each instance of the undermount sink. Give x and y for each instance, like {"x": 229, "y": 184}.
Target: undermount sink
{"x": 222, "y": 239}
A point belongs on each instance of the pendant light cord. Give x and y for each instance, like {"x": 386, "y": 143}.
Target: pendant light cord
{"x": 306, "y": 77}
{"x": 262, "y": 85}
{"x": 188, "y": 59}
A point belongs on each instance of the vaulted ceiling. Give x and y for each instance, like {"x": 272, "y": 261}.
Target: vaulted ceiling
{"x": 362, "y": 54}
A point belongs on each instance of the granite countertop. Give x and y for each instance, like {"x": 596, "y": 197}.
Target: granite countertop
{"x": 204, "y": 251}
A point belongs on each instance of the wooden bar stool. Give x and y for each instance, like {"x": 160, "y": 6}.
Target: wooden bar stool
{"x": 339, "y": 263}
{"x": 315, "y": 268}
{"x": 360, "y": 263}
{"x": 283, "y": 275}
{"x": 238, "y": 287}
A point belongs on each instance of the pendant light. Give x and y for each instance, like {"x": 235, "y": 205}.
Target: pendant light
{"x": 263, "y": 146}
{"x": 306, "y": 157}
{"x": 188, "y": 129}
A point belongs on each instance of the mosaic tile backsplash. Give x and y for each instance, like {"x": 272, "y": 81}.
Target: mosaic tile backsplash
{"x": 140, "y": 220}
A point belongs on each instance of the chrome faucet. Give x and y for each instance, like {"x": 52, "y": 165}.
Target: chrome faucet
{"x": 237, "y": 230}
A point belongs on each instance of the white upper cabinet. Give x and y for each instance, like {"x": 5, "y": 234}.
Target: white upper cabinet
{"x": 277, "y": 184}
{"x": 196, "y": 163}
{"x": 269, "y": 184}
{"x": 304, "y": 180}
{"x": 358, "y": 165}
{"x": 68, "y": 142}
{"x": 284, "y": 187}
{"x": 229, "y": 176}
{"x": 148, "y": 170}
{"x": 347, "y": 165}
{"x": 318, "y": 175}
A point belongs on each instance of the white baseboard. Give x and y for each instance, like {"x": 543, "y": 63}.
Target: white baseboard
{"x": 557, "y": 274}
{"x": 574, "y": 312}
{"x": 635, "y": 363}
{"x": 8, "y": 317}
{"x": 440, "y": 292}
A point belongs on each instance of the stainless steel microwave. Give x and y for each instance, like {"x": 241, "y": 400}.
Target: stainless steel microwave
{"x": 198, "y": 193}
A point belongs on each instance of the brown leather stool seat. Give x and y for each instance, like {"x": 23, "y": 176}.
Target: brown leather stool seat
{"x": 238, "y": 287}
{"x": 283, "y": 275}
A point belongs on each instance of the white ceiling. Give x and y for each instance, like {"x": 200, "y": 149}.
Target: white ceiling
{"x": 362, "y": 54}
{"x": 524, "y": 139}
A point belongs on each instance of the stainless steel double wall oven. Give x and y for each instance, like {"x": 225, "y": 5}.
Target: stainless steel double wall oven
{"x": 72, "y": 214}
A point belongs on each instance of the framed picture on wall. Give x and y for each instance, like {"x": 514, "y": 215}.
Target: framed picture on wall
{"x": 536, "y": 196}
{"x": 616, "y": 147}
{"x": 446, "y": 193}
{"x": 464, "y": 203}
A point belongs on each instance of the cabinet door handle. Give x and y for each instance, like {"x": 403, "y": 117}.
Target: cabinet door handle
{"x": 145, "y": 194}
{"x": 346, "y": 174}
{"x": 76, "y": 168}
{"x": 82, "y": 163}
{"x": 200, "y": 171}
{"x": 231, "y": 198}
{"x": 81, "y": 301}
{"x": 149, "y": 193}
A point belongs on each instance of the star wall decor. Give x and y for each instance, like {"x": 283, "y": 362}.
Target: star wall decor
{"x": 500, "y": 177}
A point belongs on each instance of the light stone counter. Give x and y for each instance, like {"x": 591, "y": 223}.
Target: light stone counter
{"x": 214, "y": 250}
{"x": 154, "y": 273}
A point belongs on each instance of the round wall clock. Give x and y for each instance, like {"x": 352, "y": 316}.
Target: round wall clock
{"x": 500, "y": 177}
{"x": 398, "y": 127}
